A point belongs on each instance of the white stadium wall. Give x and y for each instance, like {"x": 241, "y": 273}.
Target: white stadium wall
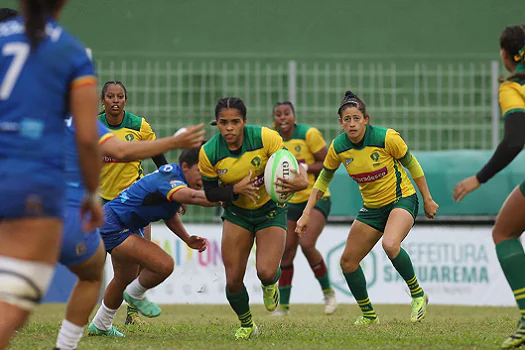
{"x": 455, "y": 265}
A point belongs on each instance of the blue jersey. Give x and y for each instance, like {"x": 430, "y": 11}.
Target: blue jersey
{"x": 35, "y": 87}
{"x": 75, "y": 184}
{"x": 148, "y": 199}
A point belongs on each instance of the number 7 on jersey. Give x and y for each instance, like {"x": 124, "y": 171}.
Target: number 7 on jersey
{"x": 19, "y": 51}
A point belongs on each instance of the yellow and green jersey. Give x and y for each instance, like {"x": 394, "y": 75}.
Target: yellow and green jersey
{"x": 217, "y": 162}
{"x": 304, "y": 143}
{"x": 375, "y": 166}
{"x": 512, "y": 95}
{"x": 117, "y": 175}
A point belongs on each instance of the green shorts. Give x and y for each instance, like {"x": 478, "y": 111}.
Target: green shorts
{"x": 295, "y": 210}
{"x": 104, "y": 201}
{"x": 377, "y": 217}
{"x": 270, "y": 214}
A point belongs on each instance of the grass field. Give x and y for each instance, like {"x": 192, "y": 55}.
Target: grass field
{"x": 212, "y": 327}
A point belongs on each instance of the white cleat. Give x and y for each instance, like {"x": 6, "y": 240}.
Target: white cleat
{"x": 280, "y": 312}
{"x": 330, "y": 303}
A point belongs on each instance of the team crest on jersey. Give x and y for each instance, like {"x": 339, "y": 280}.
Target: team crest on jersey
{"x": 256, "y": 162}
{"x": 349, "y": 160}
{"x": 375, "y": 156}
{"x": 130, "y": 137}
{"x": 221, "y": 172}
{"x": 298, "y": 148}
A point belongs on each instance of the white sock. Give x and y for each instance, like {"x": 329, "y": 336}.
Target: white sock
{"x": 104, "y": 318}
{"x": 136, "y": 290}
{"x": 69, "y": 336}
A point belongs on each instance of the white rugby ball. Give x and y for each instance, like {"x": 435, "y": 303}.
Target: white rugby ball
{"x": 279, "y": 165}
{"x": 180, "y": 131}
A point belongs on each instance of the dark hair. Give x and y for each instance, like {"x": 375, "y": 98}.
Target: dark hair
{"x": 227, "y": 103}
{"x": 113, "y": 82}
{"x": 512, "y": 40}
{"x": 7, "y": 13}
{"x": 285, "y": 103}
{"x": 190, "y": 156}
{"x": 351, "y": 100}
{"x": 36, "y": 13}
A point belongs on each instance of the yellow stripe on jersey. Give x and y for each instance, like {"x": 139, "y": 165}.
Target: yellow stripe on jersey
{"x": 83, "y": 81}
{"x": 511, "y": 97}
{"x": 105, "y": 137}
{"x": 173, "y": 190}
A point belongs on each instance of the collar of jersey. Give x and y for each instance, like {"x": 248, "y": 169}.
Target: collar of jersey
{"x": 366, "y": 139}
{"x": 115, "y": 127}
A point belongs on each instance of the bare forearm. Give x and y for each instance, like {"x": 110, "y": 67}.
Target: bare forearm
{"x": 312, "y": 200}
{"x": 176, "y": 226}
{"x": 421, "y": 183}
{"x": 146, "y": 149}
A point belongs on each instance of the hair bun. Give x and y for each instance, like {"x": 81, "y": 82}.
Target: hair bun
{"x": 349, "y": 94}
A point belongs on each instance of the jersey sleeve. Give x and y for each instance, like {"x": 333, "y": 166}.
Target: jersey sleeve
{"x": 510, "y": 99}
{"x": 103, "y": 133}
{"x": 314, "y": 140}
{"x": 146, "y": 132}
{"x": 332, "y": 160}
{"x": 207, "y": 170}
{"x": 395, "y": 145}
{"x": 168, "y": 188}
{"x": 272, "y": 141}
{"x": 83, "y": 70}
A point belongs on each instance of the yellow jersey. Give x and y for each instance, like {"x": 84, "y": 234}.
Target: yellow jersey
{"x": 375, "y": 166}
{"x": 117, "y": 175}
{"x": 218, "y": 163}
{"x": 304, "y": 143}
{"x": 512, "y": 95}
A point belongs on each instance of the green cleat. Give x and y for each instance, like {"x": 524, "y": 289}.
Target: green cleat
{"x": 145, "y": 306}
{"x": 245, "y": 333}
{"x": 271, "y": 297}
{"x": 132, "y": 317}
{"x": 419, "y": 308}
{"x": 517, "y": 338}
{"x": 362, "y": 321}
{"x": 112, "y": 332}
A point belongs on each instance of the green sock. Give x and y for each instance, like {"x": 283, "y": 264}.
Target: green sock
{"x": 284, "y": 297}
{"x": 357, "y": 284}
{"x": 403, "y": 265}
{"x": 240, "y": 304}
{"x": 512, "y": 260}
{"x": 276, "y": 278}
{"x": 321, "y": 274}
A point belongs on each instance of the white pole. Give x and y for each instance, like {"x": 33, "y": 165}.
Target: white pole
{"x": 292, "y": 82}
{"x": 494, "y": 74}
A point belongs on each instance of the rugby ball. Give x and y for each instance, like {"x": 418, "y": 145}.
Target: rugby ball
{"x": 279, "y": 165}
{"x": 180, "y": 131}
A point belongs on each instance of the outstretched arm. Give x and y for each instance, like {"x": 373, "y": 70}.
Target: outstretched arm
{"x": 194, "y": 242}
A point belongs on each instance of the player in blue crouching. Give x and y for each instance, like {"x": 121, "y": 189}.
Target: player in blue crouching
{"x": 82, "y": 252}
{"x": 157, "y": 196}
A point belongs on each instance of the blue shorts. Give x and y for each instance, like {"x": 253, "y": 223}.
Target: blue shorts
{"x": 113, "y": 232}
{"x": 77, "y": 245}
{"x": 26, "y": 197}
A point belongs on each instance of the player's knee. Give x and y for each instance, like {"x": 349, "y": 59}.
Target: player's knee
{"x": 391, "y": 247}
{"x": 266, "y": 275}
{"x": 348, "y": 264}
{"x": 500, "y": 233}
{"x": 24, "y": 283}
{"x": 308, "y": 248}
{"x": 166, "y": 268}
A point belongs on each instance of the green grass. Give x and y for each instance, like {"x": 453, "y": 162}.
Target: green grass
{"x": 212, "y": 327}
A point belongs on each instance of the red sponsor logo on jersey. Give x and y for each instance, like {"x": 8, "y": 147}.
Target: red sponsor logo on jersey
{"x": 370, "y": 176}
{"x": 112, "y": 160}
{"x": 260, "y": 181}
